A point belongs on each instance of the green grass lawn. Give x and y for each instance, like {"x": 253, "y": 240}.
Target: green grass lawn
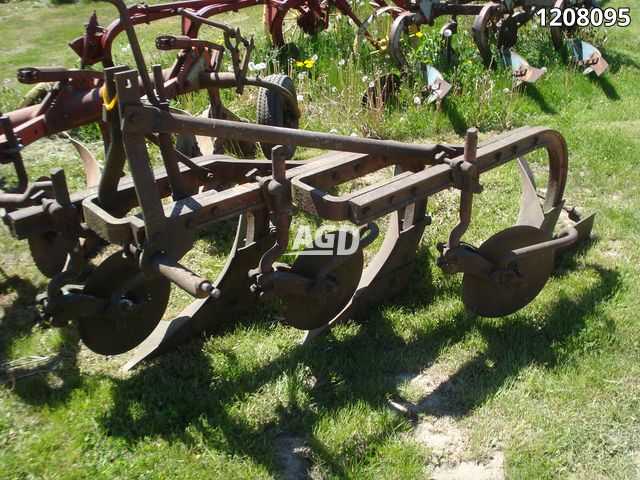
{"x": 412, "y": 389}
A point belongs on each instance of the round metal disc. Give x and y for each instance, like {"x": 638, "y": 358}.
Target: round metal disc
{"x": 112, "y": 334}
{"x": 307, "y": 312}
{"x": 49, "y": 252}
{"x": 484, "y": 297}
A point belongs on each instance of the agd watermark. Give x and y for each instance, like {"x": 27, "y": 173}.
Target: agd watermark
{"x": 328, "y": 239}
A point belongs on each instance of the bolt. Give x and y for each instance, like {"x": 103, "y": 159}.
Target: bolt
{"x": 210, "y": 290}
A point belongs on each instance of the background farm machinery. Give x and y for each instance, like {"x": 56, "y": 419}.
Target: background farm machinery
{"x": 390, "y": 29}
{"x": 80, "y": 97}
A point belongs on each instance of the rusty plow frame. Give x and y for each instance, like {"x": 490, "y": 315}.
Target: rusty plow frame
{"x": 120, "y": 305}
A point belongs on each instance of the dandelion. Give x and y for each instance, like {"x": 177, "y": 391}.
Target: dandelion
{"x": 447, "y": 33}
{"x": 417, "y": 100}
{"x": 341, "y": 61}
{"x": 299, "y": 64}
{"x": 419, "y": 34}
{"x": 309, "y": 63}
{"x": 469, "y": 62}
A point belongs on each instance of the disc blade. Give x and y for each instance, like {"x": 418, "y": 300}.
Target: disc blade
{"x": 484, "y": 297}
{"x": 309, "y": 311}
{"x": 113, "y": 333}
{"x": 49, "y": 252}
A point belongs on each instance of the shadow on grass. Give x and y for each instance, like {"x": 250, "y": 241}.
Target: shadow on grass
{"x": 534, "y": 94}
{"x": 607, "y": 87}
{"x": 451, "y": 110}
{"x": 28, "y": 377}
{"x": 182, "y": 393}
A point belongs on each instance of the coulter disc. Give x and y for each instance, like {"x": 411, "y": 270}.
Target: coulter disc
{"x": 49, "y": 252}
{"x": 486, "y": 298}
{"x": 307, "y": 312}
{"x": 113, "y": 333}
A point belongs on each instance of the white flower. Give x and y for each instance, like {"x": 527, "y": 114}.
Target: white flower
{"x": 372, "y": 84}
{"x": 334, "y": 89}
{"x": 314, "y": 58}
{"x": 300, "y": 97}
{"x": 255, "y": 67}
{"x": 365, "y": 79}
{"x": 417, "y": 100}
{"x": 506, "y": 90}
{"x": 353, "y": 134}
{"x": 230, "y": 68}
{"x": 333, "y": 130}
{"x": 252, "y": 66}
{"x": 447, "y": 33}
{"x": 301, "y": 76}
{"x": 403, "y": 119}
{"x": 338, "y": 16}
{"x": 544, "y": 69}
{"x": 341, "y": 61}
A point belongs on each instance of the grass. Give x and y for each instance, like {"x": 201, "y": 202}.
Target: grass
{"x": 554, "y": 387}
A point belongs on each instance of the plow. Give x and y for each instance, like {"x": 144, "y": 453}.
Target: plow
{"x": 151, "y": 217}
{"x": 494, "y": 31}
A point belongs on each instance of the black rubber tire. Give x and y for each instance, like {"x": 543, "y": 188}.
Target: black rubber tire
{"x": 274, "y": 111}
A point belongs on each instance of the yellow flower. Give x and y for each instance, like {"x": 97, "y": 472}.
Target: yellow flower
{"x": 309, "y": 63}
{"x": 299, "y": 64}
{"x": 469, "y": 62}
{"x": 419, "y": 34}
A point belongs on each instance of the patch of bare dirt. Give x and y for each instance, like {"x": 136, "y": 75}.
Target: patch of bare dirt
{"x": 293, "y": 457}
{"x": 472, "y": 470}
{"x": 439, "y": 428}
